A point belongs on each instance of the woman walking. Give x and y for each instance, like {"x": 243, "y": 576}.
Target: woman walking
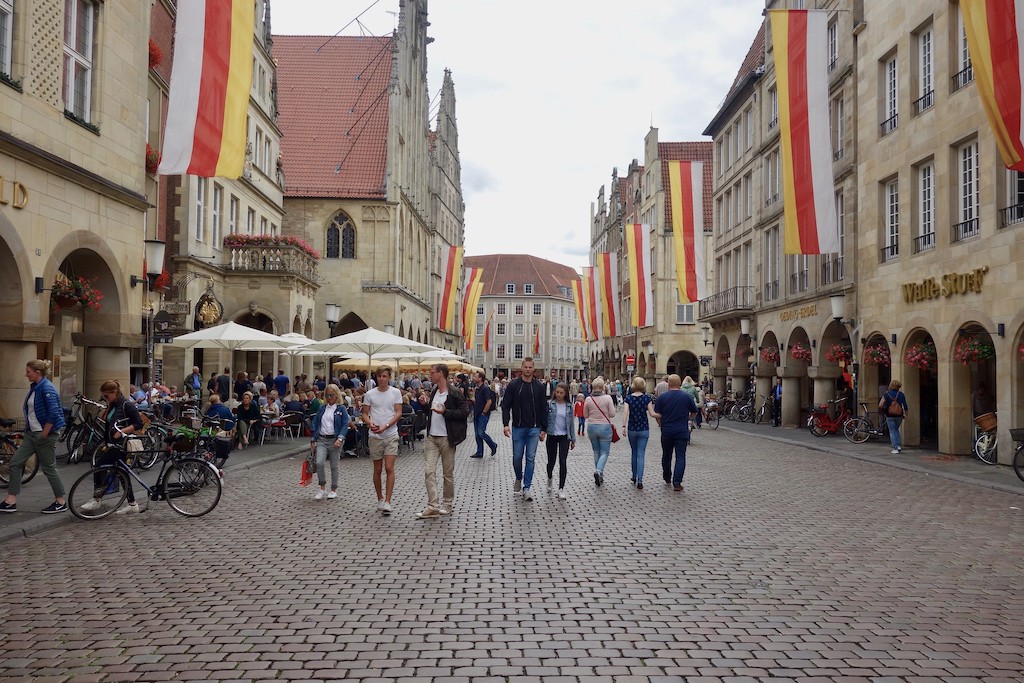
{"x": 328, "y": 434}
{"x": 561, "y": 436}
{"x": 894, "y": 407}
{"x": 43, "y": 418}
{"x": 599, "y": 409}
{"x": 638, "y": 405}
{"x": 119, "y": 409}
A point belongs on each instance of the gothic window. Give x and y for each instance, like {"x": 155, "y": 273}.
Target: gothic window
{"x": 333, "y": 241}
{"x": 348, "y": 242}
{"x": 341, "y": 237}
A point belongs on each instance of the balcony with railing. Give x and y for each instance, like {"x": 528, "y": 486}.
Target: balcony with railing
{"x": 1011, "y": 215}
{"x": 773, "y": 123}
{"x": 924, "y": 102}
{"x": 889, "y": 125}
{"x": 890, "y": 253}
{"x": 963, "y": 77}
{"x": 726, "y": 302}
{"x": 832, "y": 270}
{"x": 965, "y": 229}
{"x": 771, "y": 290}
{"x": 832, "y": 64}
{"x": 798, "y": 282}
{"x": 924, "y": 242}
{"x": 272, "y": 259}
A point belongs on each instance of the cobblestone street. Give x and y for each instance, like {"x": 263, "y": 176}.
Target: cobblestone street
{"x": 777, "y": 562}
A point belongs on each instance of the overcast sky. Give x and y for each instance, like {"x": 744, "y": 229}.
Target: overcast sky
{"x": 550, "y": 96}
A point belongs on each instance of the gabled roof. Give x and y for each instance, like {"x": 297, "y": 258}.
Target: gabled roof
{"x": 750, "y": 70}
{"x": 520, "y": 269}
{"x": 688, "y": 151}
{"x": 333, "y": 95}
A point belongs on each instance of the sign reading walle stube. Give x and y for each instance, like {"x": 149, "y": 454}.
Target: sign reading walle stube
{"x": 945, "y": 286}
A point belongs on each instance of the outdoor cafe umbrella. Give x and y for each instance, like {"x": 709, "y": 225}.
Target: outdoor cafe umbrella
{"x": 402, "y": 361}
{"x": 371, "y": 342}
{"x": 232, "y": 337}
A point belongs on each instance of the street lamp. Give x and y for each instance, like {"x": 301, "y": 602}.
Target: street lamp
{"x": 332, "y": 314}
{"x": 706, "y": 332}
{"x": 154, "y": 250}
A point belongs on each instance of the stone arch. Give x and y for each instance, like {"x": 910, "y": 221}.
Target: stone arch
{"x": 965, "y": 379}
{"x": 920, "y": 384}
{"x": 86, "y": 254}
{"x": 297, "y": 325}
{"x": 685, "y": 363}
{"x": 15, "y": 283}
{"x": 350, "y": 322}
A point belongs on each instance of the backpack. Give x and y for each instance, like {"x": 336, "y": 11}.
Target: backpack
{"x": 890, "y": 405}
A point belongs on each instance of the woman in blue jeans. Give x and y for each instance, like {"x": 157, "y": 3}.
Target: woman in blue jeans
{"x": 638, "y": 405}
{"x": 598, "y": 410}
{"x": 889, "y": 398}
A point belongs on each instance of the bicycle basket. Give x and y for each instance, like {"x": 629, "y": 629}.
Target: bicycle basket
{"x": 1017, "y": 434}
{"x": 183, "y": 443}
{"x": 986, "y": 422}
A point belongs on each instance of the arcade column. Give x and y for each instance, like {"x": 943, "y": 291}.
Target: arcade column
{"x": 824, "y": 377}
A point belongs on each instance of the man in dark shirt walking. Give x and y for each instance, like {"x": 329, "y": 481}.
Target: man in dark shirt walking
{"x": 483, "y": 404}
{"x": 224, "y": 385}
{"x": 525, "y": 406}
{"x": 673, "y": 410}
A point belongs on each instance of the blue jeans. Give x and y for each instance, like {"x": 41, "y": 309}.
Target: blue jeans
{"x": 894, "y": 432}
{"x": 480, "y": 427}
{"x": 638, "y": 445}
{"x": 524, "y": 443}
{"x": 678, "y": 444}
{"x": 601, "y": 441}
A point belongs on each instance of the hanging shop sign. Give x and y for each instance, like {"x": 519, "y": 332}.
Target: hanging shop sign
{"x": 945, "y": 286}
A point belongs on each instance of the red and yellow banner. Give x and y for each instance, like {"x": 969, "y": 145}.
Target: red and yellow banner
{"x": 472, "y": 291}
{"x": 451, "y": 269}
{"x": 590, "y": 311}
{"x": 686, "y": 186}
{"x": 536, "y": 339}
{"x": 638, "y": 255}
{"x": 209, "y": 90}
{"x": 799, "y": 39}
{"x": 577, "y": 297}
{"x": 487, "y": 333}
{"x": 608, "y": 291}
{"x": 994, "y": 29}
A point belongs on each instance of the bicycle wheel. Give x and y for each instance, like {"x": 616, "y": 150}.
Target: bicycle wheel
{"x": 80, "y": 449}
{"x": 713, "y": 418}
{"x": 985, "y": 448}
{"x": 746, "y": 414}
{"x": 732, "y": 412}
{"x": 857, "y": 430}
{"x": 89, "y": 501}
{"x": 6, "y": 455}
{"x": 152, "y": 446}
{"x": 1018, "y": 462}
{"x": 67, "y": 439}
{"x": 815, "y": 426}
{"x": 192, "y": 487}
{"x": 762, "y": 414}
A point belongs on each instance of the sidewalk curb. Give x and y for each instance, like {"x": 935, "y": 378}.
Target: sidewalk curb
{"x": 909, "y": 466}
{"x": 43, "y": 523}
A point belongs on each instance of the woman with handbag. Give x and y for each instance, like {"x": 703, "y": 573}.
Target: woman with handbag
{"x": 561, "y": 436}
{"x": 893, "y": 407}
{"x": 598, "y": 410}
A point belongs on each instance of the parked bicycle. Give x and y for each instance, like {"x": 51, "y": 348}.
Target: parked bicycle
{"x": 82, "y": 411}
{"x": 712, "y": 413}
{"x": 986, "y": 439}
{"x": 1018, "y": 456}
{"x": 764, "y": 413}
{"x": 9, "y": 442}
{"x": 190, "y": 485}
{"x": 820, "y": 422}
{"x": 871, "y": 425}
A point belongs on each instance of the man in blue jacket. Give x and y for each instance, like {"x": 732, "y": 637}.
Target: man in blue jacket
{"x": 44, "y": 417}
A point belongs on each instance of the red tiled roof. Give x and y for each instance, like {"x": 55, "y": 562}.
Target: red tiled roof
{"x": 333, "y": 96}
{"x": 687, "y": 151}
{"x": 520, "y": 269}
{"x": 754, "y": 58}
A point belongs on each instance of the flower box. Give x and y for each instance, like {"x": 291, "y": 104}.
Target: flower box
{"x": 799, "y": 351}
{"x": 68, "y": 292}
{"x": 973, "y": 349}
{"x": 239, "y": 240}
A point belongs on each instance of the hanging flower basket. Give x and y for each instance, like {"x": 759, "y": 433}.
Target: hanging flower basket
{"x": 238, "y": 240}
{"x": 156, "y": 55}
{"x": 921, "y": 356}
{"x": 68, "y": 292}
{"x": 743, "y": 353}
{"x": 973, "y": 349}
{"x": 800, "y": 351}
{"x": 162, "y": 282}
{"x": 1020, "y": 350}
{"x": 770, "y": 354}
{"x": 152, "y": 159}
{"x": 877, "y": 354}
{"x": 839, "y": 353}
{"x": 724, "y": 355}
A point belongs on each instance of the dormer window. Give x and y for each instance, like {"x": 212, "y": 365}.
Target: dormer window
{"x": 528, "y": 289}
{"x": 510, "y": 288}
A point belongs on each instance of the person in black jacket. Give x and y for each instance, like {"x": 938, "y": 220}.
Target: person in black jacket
{"x": 446, "y": 429}
{"x": 525, "y": 405}
{"x": 119, "y": 411}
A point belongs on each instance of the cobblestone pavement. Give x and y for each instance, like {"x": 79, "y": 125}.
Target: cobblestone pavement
{"x": 777, "y": 563}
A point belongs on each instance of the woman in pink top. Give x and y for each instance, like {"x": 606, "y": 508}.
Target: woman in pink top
{"x": 599, "y": 411}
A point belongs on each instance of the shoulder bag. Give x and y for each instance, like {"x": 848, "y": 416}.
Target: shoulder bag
{"x": 615, "y": 432}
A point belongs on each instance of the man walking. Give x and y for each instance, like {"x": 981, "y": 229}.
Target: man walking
{"x": 483, "y": 403}
{"x": 194, "y": 384}
{"x": 673, "y": 410}
{"x": 777, "y": 402}
{"x": 224, "y": 385}
{"x": 382, "y": 409}
{"x": 525, "y": 406}
{"x": 282, "y": 383}
{"x": 446, "y": 429}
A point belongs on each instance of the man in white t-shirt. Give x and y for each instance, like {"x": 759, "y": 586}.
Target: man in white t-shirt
{"x": 382, "y": 409}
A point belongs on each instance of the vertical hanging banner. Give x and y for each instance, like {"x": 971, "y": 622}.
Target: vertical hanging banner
{"x": 686, "y": 185}
{"x": 577, "y": 297}
{"x": 470, "y": 299}
{"x": 994, "y": 29}
{"x": 799, "y": 39}
{"x": 608, "y": 291}
{"x": 451, "y": 270}
{"x": 536, "y": 340}
{"x": 487, "y": 333}
{"x": 209, "y": 91}
{"x": 638, "y": 254}
{"x": 590, "y": 310}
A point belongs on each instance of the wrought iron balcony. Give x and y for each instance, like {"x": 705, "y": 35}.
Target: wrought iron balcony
{"x": 924, "y": 242}
{"x": 889, "y": 125}
{"x": 276, "y": 259}
{"x": 890, "y": 253}
{"x": 924, "y": 102}
{"x": 965, "y": 229}
{"x": 831, "y": 270}
{"x": 963, "y": 77}
{"x": 1012, "y": 214}
{"x": 727, "y": 301}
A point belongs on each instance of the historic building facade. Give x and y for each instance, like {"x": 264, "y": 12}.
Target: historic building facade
{"x": 770, "y": 313}
{"x": 369, "y": 184}
{"x": 73, "y": 194}
{"x": 524, "y": 295}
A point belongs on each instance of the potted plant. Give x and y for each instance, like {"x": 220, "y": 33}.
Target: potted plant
{"x": 800, "y": 351}
{"x": 69, "y": 291}
{"x": 152, "y": 159}
{"x": 839, "y": 353}
{"x": 877, "y": 354}
{"x": 921, "y": 356}
{"x": 972, "y": 349}
{"x": 770, "y": 354}
{"x": 156, "y": 55}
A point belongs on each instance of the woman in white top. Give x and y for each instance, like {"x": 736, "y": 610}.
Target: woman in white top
{"x": 561, "y": 435}
{"x": 598, "y": 411}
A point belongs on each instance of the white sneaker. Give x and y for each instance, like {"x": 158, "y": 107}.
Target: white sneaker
{"x": 319, "y": 495}
{"x": 127, "y": 508}
{"x": 561, "y": 494}
{"x": 527, "y": 494}
{"x": 93, "y": 504}
{"x": 332, "y": 495}
{"x": 384, "y": 507}
{"x": 380, "y": 505}
{"x": 894, "y": 451}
